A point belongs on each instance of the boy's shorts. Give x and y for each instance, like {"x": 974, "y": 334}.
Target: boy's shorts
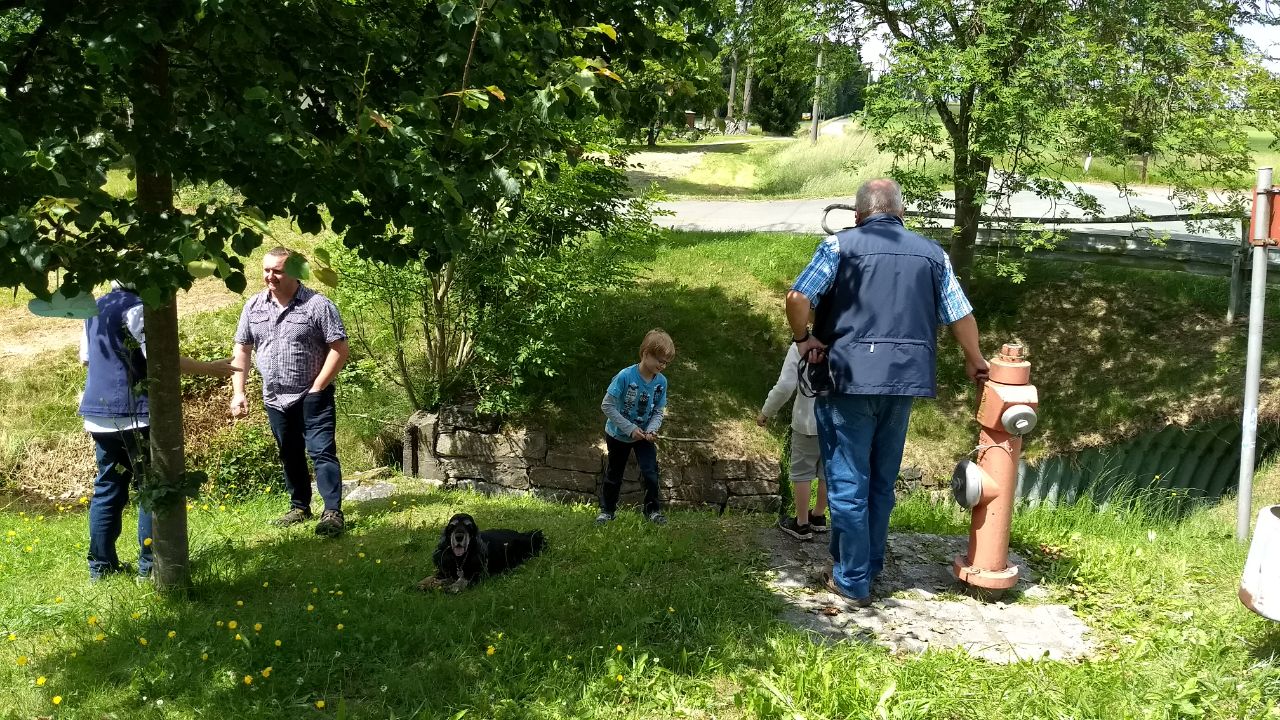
{"x": 806, "y": 458}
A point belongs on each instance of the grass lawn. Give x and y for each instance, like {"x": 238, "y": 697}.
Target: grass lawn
{"x": 794, "y": 168}
{"x": 628, "y": 621}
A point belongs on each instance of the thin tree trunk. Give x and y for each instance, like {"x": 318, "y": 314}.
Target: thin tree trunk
{"x": 746, "y": 98}
{"x": 733, "y": 87}
{"x": 164, "y": 391}
{"x": 970, "y": 173}
{"x": 817, "y": 89}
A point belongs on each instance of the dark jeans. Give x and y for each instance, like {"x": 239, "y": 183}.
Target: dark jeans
{"x": 646, "y": 458}
{"x": 306, "y": 428}
{"x": 121, "y": 457}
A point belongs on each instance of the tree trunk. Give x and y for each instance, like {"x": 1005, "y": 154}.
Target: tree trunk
{"x": 970, "y": 173}
{"x": 168, "y": 459}
{"x": 746, "y": 98}
{"x": 653, "y": 134}
{"x": 733, "y": 87}
{"x": 164, "y": 391}
{"x": 817, "y": 89}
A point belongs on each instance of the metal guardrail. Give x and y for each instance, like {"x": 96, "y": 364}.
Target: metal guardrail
{"x": 1141, "y": 248}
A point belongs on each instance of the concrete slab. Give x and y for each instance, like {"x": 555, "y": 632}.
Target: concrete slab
{"x": 919, "y": 606}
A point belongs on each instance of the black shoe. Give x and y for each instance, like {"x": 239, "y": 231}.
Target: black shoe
{"x": 604, "y": 518}
{"x": 656, "y": 518}
{"x": 331, "y": 523}
{"x": 795, "y": 529}
{"x": 818, "y": 523}
{"x": 293, "y": 517}
{"x": 121, "y": 569}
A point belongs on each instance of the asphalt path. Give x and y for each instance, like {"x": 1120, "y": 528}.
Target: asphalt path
{"x": 805, "y": 216}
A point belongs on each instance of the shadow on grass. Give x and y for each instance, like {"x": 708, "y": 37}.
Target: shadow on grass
{"x": 544, "y": 638}
{"x": 725, "y": 363}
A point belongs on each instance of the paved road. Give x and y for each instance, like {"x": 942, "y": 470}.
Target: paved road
{"x": 804, "y": 216}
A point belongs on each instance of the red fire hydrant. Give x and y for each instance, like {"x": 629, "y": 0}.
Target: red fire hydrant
{"x": 1006, "y": 412}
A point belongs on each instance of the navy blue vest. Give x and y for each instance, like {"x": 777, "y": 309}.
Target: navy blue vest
{"x": 880, "y": 317}
{"x": 116, "y": 384}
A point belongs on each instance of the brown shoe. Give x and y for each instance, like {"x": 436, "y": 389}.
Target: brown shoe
{"x": 293, "y": 517}
{"x": 331, "y": 523}
{"x": 830, "y": 583}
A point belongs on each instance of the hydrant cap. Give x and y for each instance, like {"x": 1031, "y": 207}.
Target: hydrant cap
{"x": 1019, "y": 419}
{"x": 966, "y": 483}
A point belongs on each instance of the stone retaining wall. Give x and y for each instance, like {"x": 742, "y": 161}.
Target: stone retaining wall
{"x": 458, "y": 448}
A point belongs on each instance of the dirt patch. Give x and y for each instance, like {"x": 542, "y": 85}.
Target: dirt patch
{"x": 26, "y": 336}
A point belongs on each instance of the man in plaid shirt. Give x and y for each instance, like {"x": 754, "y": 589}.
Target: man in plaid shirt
{"x": 879, "y": 292}
{"x": 301, "y": 345}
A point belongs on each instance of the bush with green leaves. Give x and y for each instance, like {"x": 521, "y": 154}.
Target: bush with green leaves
{"x": 241, "y": 461}
{"x": 496, "y": 319}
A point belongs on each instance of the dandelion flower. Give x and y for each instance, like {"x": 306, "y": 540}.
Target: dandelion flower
{"x": 40, "y": 681}
{"x": 248, "y": 679}
{"x": 146, "y": 542}
{"x": 319, "y": 704}
{"x": 239, "y": 603}
{"x": 219, "y": 623}
{"x": 266, "y": 671}
{"x": 264, "y": 584}
{"x": 671, "y": 609}
{"x": 58, "y": 599}
{"x": 568, "y": 657}
{"x": 361, "y": 554}
{"x": 233, "y": 625}
{"x": 339, "y": 593}
{"x": 204, "y": 656}
{"x": 237, "y": 636}
{"x": 93, "y": 619}
{"x": 340, "y": 626}
{"x": 619, "y": 677}
{"x": 12, "y": 637}
{"x": 135, "y": 615}
{"x": 490, "y": 651}
{"x": 257, "y": 627}
{"x": 100, "y": 637}
{"x": 311, "y": 608}
{"x": 142, "y": 641}
{"x": 22, "y": 660}
{"x": 57, "y": 700}
{"x": 619, "y": 648}
{"x": 173, "y": 634}
{"x": 277, "y": 643}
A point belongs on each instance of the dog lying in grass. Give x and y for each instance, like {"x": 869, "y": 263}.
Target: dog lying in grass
{"x": 466, "y": 554}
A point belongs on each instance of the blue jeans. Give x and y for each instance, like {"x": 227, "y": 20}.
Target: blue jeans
{"x": 862, "y": 437}
{"x": 646, "y": 458}
{"x": 307, "y": 428}
{"x": 121, "y": 459}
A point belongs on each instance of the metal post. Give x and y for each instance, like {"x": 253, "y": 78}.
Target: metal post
{"x": 1237, "y": 273}
{"x": 1253, "y": 364}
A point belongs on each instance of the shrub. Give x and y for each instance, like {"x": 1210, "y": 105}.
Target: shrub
{"x": 241, "y": 461}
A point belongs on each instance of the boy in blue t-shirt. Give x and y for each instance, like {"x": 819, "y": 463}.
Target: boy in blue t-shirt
{"x": 634, "y": 407}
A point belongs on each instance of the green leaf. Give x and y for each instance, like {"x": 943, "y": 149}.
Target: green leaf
{"x": 607, "y": 29}
{"x": 322, "y": 255}
{"x": 584, "y": 80}
{"x": 201, "y": 268}
{"x": 326, "y": 275}
{"x": 495, "y": 91}
{"x": 236, "y": 282}
{"x": 80, "y": 307}
{"x": 296, "y": 266}
{"x": 257, "y": 92}
{"x": 309, "y": 220}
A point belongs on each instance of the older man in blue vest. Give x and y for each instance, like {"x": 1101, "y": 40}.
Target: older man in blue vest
{"x": 114, "y": 406}
{"x": 878, "y": 292}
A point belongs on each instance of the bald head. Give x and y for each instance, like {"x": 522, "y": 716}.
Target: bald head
{"x": 881, "y": 195}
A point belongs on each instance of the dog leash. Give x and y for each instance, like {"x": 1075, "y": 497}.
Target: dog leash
{"x": 685, "y": 439}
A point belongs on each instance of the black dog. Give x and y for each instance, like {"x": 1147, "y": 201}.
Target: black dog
{"x": 466, "y": 555}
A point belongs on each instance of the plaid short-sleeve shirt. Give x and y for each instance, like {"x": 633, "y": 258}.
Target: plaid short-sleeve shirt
{"x": 290, "y": 342}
